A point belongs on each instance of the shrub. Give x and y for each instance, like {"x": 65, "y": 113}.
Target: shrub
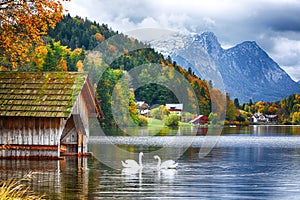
{"x": 143, "y": 121}
{"x": 160, "y": 112}
{"x": 172, "y": 120}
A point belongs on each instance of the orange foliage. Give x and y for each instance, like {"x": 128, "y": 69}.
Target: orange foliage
{"x": 126, "y": 51}
{"x": 113, "y": 49}
{"x": 63, "y": 64}
{"x": 22, "y": 25}
{"x": 79, "y": 66}
{"x": 99, "y": 37}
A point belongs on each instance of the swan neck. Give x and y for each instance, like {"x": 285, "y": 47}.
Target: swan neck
{"x": 140, "y": 160}
{"x": 159, "y": 162}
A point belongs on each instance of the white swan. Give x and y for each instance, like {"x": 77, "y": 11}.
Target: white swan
{"x": 168, "y": 164}
{"x": 132, "y": 163}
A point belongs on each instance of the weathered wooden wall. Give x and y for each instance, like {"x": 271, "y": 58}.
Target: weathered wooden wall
{"x": 30, "y": 137}
{"x": 76, "y": 131}
{"x": 81, "y": 121}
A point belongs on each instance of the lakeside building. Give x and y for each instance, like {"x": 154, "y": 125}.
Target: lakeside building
{"x": 262, "y": 118}
{"x": 45, "y": 114}
{"x": 200, "y": 119}
{"x": 175, "y": 108}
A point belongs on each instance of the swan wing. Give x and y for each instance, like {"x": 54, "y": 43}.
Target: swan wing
{"x": 130, "y": 163}
{"x": 173, "y": 166}
{"x": 168, "y": 164}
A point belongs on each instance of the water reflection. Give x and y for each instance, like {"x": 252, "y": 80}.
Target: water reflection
{"x": 233, "y": 171}
{"x": 167, "y": 174}
{"x": 262, "y": 130}
{"x": 49, "y": 177}
{"x": 226, "y": 173}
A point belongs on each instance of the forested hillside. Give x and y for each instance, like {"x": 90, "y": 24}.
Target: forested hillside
{"x": 81, "y": 35}
{"x": 68, "y": 47}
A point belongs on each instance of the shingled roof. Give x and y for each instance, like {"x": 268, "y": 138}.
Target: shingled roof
{"x": 39, "y": 94}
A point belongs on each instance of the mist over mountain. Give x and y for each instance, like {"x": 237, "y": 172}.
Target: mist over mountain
{"x": 246, "y": 70}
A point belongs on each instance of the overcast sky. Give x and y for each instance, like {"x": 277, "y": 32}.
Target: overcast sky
{"x": 273, "y": 24}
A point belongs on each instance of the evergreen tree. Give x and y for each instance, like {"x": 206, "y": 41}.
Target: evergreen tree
{"x": 236, "y": 103}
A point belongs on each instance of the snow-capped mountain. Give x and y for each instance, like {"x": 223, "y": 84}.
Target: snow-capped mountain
{"x": 245, "y": 70}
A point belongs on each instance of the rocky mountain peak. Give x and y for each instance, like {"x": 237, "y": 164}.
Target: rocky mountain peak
{"x": 248, "y": 72}
{"x": 208, "y": 41}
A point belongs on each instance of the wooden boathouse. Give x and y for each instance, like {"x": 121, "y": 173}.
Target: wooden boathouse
{"x": 45, "y": 114}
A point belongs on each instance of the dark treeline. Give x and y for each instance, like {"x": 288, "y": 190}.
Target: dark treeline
{"x": 76, "y": 32}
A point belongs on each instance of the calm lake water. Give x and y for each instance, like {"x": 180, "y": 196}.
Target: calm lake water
{"x": 255, "y": 162}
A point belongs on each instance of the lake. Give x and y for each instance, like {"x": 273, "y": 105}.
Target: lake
{"x": 254, "y": 162}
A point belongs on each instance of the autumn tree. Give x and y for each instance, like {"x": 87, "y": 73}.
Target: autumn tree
{"x": 296, "y": 117}
{"x": 116, "y": 107}
{"x": 231, "y": 116}
{"x": 160, "y": 112}
{"x": 55, "y": 57}
{"x": 22, "y": 25}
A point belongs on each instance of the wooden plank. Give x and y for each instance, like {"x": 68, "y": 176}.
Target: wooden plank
{"x": 26, "y": 151}
{"x": 79, "y": 144}
{"x": 84, "y": 144}
{"x": 68, "y": 129}
{"x": 46, "y": 130}
{"x": 52, "y": 132}
{"x": 6, "y": 132}
{"x": 2, "y": 131}
{"x": 41, "y": 128}
{"x": 36, "y": 131}
{"x": 14, "y": 132}
{"x": 29, "y": 130}
{"x": 20, "y": 131}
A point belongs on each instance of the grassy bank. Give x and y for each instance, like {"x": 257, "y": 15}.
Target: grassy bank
{"x": 17, "y": 189}
{"x": 156, "y": 123}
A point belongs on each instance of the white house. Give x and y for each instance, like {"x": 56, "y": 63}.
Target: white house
{"x": 175, "y": 108}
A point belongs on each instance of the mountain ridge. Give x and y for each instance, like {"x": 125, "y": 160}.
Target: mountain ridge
{"x": 247, "y": 71}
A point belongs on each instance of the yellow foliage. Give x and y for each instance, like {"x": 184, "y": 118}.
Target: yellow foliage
{"x": 296, "y": 117}
{"x": 259, "y": 104}
{"x": 192, "y": 99}
{"x": 297, "y": 97}
{"x": 40, "y": 53}
{"x": 22, "y": 25}
{"x": 126, "y": 51}
{"x": 79, "y": 66}
{"x": 93, "y": 27}
{"x": 171, "y": 74}
{"x": 76, "y": 51}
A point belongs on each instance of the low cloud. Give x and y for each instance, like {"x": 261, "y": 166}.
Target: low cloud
{"x": 274, "y": 24}
{"x": 293, "y": 71}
